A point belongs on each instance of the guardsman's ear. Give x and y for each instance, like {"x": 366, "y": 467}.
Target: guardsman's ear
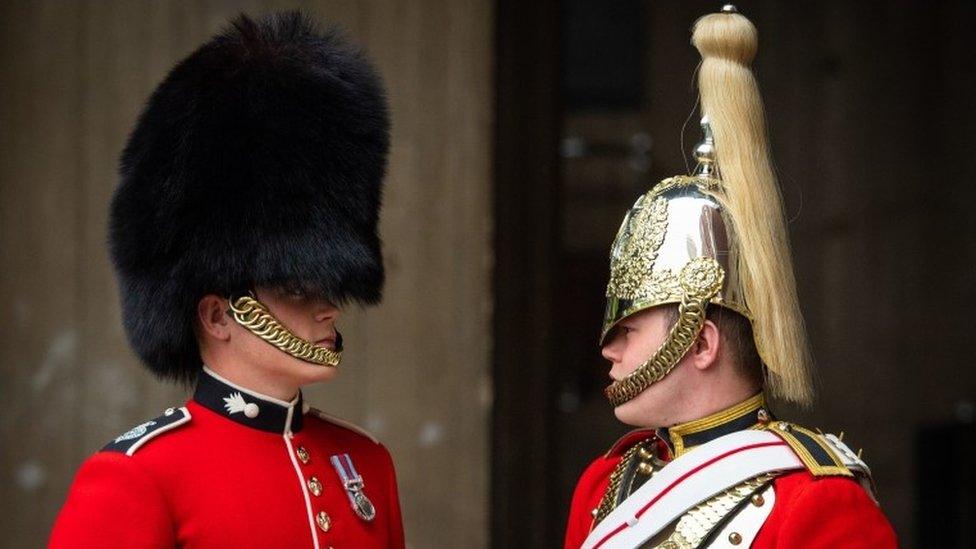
{"x": 213, "y": 318}
{"x": 704, "y": 352}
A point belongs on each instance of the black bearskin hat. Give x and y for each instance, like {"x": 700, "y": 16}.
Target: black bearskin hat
{"x": 257, "y": 162}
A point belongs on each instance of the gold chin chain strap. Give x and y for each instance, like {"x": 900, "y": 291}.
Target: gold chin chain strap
{"x": 254, "y": 315}
{"x": 701, "y": 278}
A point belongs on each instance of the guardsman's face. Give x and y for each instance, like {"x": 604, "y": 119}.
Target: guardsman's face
{"x": 312, "y": 319}
{"x": 633, "y": 342}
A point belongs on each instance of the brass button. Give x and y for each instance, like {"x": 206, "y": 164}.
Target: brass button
{"x": 644, "y": 453}
{"x": 323, "y": 520}
{"x": 315, "y": 486}
{"x": 302, "y": 454}
{"x": 645, "y": 468}
{"x": 758, "y": 500}
{"x": 735, "y": 538}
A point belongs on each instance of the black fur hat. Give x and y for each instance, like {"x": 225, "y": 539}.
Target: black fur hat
{"x": 257, "y": 162}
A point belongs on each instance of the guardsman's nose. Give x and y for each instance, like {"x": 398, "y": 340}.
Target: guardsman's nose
{"x": 612, "y": 350}
{"x": 326, "y": 311}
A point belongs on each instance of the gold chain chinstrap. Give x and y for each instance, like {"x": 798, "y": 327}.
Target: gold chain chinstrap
{"x": 701, "y": 279}
{"x": 254, "y": 315}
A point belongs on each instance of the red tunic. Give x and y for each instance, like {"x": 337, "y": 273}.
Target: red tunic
{"x": 808, "y": 511}
{"x": 218, "y": 481}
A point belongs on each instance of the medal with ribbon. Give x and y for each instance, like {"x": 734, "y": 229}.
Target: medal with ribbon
{"x": 353, "y": 483}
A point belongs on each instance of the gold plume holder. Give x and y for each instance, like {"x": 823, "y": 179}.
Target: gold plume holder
{"x": 705, "y": 153}
{"x": 701, "y": 279}
{"x": 257, "y": 319}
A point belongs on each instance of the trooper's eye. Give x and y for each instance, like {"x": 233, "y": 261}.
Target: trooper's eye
{"x": 292, "y": 292}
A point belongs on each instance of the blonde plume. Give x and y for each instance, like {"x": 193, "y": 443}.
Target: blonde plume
{"x": 730, "y": 100}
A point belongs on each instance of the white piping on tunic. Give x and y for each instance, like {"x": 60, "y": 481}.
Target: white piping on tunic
{"x": 301, "y": 479}
{"x": 286, "y": 436}
{"x": 186, "y": 417}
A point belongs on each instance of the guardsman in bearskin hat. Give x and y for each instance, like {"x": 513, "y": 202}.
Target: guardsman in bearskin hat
{"x": 702, "y": 324}
{"x": 246, "y": 217}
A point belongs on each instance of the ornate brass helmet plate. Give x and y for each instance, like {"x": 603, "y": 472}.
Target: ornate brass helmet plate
{"x": 675, "y": 246}
{"x": 256, "y": 318}
{"x": 679, "y": 220}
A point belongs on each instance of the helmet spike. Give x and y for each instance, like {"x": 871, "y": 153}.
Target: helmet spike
{"x": 705, "y": 152}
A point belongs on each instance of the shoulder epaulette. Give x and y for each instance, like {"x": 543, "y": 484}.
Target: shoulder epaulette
{"x": 822, "y": 454}
{"x": 135, "y": 438}
{"x": 343, "y": 423}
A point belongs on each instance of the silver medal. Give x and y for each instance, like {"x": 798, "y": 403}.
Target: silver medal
{"x": 353, "y": 483}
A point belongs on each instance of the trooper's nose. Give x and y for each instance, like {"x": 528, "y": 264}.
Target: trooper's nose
{"x": 326, "y": 311}
{"x": 611, "y": 351}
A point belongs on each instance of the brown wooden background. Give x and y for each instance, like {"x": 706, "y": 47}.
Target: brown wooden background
{"x": 73, "y": 75}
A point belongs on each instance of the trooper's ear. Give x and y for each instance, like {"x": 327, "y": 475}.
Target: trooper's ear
{"x": 705, "y": 350}
{"x": 212, "y": 317}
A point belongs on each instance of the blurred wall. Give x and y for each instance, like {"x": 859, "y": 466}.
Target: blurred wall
{"x": 73, "y": 76}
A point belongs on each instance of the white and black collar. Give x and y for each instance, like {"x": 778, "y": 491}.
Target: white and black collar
{"x": 248, "y": 407}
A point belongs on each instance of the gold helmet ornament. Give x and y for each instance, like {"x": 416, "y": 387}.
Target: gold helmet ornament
{"x": 717, "y": 237}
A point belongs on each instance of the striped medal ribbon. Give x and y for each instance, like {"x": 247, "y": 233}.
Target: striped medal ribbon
{"x": 353, "y": 484}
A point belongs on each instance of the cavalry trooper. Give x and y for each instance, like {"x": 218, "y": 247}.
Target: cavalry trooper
{"x": 702, "y": 324}
{"x": 246, "y": 216}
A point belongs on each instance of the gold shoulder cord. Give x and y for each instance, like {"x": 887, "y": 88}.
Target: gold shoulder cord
{"x": 610, "y": 495}
{"x": 253, "y": 315}
{"x": 700, "y": 279}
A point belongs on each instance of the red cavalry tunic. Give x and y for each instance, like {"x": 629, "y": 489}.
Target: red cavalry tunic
{"x": 809, "y": 511}
{"x": 231, "y": 469}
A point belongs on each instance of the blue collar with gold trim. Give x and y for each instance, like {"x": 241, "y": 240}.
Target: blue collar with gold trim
{"x": 744, "y": 415}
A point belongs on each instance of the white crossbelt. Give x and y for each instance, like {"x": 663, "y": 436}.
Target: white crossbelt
{"x": 690, "y": 480}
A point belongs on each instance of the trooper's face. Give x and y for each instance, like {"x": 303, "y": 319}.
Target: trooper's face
{"x": 633, "y": 342}
{"x": 312, "y": 319}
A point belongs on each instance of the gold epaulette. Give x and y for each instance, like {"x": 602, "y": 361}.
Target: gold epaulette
{"x": 815, "y": 450}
